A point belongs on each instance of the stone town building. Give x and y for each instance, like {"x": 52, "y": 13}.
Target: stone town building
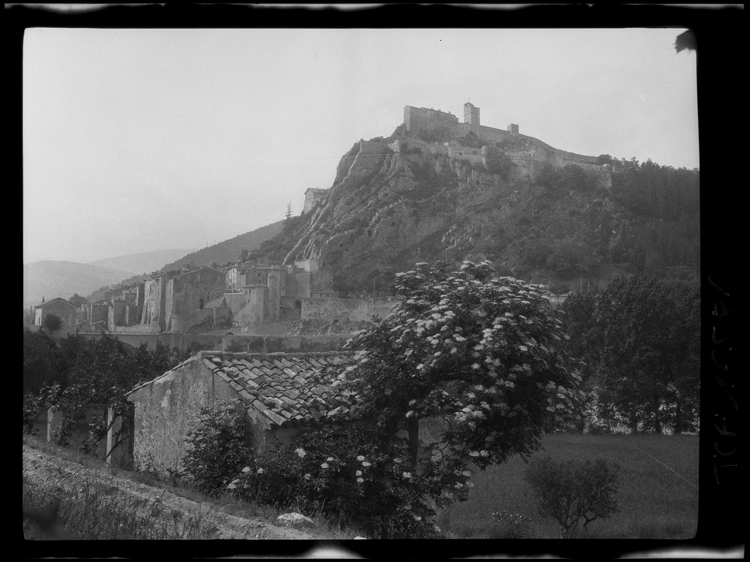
{"x": 312, "y": 196}
{"x": 66, "y": 311}
{"x": 280, "y": 390}
{"x": 172, "y": 300}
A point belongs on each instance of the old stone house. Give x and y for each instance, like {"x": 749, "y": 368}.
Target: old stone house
{"x": 66, "y": 311}
{"x": 279, "y": 389}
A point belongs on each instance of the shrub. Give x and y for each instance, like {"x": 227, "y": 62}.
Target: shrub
{"x": 219, "y": 447}
{"x": 498, "y": 162}
{"x": 52, "y": 322}
{"x": 512, "y": 525}
{"x": 571, "y": 491}
{"x": 349, "y": 474}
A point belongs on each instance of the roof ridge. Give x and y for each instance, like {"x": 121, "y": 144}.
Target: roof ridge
{"x": 272, "y": 354}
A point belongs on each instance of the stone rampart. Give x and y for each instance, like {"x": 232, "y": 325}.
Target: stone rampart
{"x": 353, "y": 310}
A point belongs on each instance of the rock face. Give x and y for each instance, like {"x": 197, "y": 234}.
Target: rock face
{"x": 397, "y": 203}
{"x": 294, "y": 520}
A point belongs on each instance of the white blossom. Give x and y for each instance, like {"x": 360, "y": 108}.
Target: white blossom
{"x": 360, "y": 458}
{"x": 301, "y": 452}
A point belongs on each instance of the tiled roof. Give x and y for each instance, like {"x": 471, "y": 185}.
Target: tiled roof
{"x": 281, "y": 385}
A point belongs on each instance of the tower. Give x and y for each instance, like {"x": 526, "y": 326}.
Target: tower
{"x": 471, "y": 114}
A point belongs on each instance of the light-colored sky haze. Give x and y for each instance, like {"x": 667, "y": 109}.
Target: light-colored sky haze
{"x": 145, "y": 139}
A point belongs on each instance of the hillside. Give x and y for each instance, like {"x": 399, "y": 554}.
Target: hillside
{"x": 51, "y": 279}
{"x": 221, "y": 253}
{"x": 229, "y": 250}
{"x": 388, "y": 210}
{"x": 144, "y": 262}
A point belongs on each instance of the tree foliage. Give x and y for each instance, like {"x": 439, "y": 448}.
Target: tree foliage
{"x": 74, "y": 373}
{"x": 353, "y": 474}
{"x": 478, "y": 353}
{"x": 569, "y": 178}
{"x": 571, "y": 491}
{"x": 640, "y": 342}
{"x": 77, "y": 300}
{"x": 497, "y": 162}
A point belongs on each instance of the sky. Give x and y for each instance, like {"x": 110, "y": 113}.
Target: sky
{"x": 145, "y": 139}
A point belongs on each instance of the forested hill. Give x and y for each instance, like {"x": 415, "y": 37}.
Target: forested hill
{"x": 229, "y": 250}
{"x": 387, "y": 211}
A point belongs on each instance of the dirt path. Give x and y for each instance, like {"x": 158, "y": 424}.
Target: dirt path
{"x": 65, "y": 477}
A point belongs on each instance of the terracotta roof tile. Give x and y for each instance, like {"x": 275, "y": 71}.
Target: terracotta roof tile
{"x": 283, "y": 386}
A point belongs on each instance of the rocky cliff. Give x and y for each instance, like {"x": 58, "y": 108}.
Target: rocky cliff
{"x": 389, "y": 209}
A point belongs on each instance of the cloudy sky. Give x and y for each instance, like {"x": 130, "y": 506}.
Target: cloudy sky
{"x": 139, "y": 140}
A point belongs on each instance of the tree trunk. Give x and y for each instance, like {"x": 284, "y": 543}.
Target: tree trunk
{"x": 678, "y": 416}
{"x": 633, "y": 420}
{"x": 413, "y": 427}
{"x": 657, "y": 420}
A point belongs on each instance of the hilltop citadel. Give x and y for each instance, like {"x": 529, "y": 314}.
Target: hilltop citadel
{"x": 250, "y": 295}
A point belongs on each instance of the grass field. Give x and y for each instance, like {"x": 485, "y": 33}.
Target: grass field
{"x": 654, "y": 502}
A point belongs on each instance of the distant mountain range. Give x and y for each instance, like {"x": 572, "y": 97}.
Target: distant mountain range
{"x": 144, "y": 262}
{"x": 52, "y": 279}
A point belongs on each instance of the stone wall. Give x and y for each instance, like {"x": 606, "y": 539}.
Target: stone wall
{"x": 167, "y": 410}
{"x": 341, "y": 309}
{"x": 419, "y": 118}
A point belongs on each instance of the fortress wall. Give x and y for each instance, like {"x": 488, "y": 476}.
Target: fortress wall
{"x": 417, "y": 118}
{"x": 400, "y": 147}
{"x": 473, "y": 155}
{"x": 373, "y": 147}
{"x": 354, "y": 310}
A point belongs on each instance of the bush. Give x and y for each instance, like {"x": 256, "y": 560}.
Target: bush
{"x": 350, "y": 475}
{"x": 512, "y": 525}
{"x": 219, "y": 447}
{"x": 52, "y": 323}
{"x": 499, "y": 163}
{"x": 571, "y": 491}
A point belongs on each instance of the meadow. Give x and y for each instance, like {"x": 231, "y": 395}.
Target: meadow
{"x": 654, "y": 502}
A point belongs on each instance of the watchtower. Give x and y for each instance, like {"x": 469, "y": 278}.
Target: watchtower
{"x": 471, "y": 114}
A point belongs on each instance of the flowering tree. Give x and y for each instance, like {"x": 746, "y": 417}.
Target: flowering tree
{"x": 482, "y": 354}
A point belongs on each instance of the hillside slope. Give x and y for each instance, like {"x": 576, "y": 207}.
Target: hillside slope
{"x": 221, "y": 253}
{"x": 51, "y": 279}
{"x": 144, "y": 262}
{"x": 229, "y": 250}
{"x": 387, "y": 210}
